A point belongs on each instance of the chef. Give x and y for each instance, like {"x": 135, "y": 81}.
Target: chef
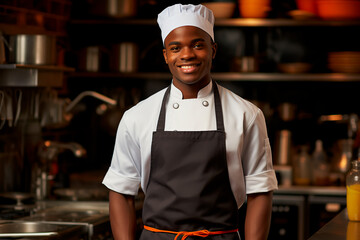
{"x": 197, "y": 150}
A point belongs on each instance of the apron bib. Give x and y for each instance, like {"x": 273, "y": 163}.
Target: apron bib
{"x": 189, "y": 188}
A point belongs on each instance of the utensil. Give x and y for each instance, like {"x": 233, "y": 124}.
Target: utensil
{"x": 34, "y": 49}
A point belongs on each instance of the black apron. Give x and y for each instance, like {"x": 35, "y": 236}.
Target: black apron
{"x": 189, "y": 188}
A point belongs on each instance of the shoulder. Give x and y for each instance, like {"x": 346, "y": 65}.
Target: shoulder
{"x": 145, "y": 112}
{"x": 234, "y": 103}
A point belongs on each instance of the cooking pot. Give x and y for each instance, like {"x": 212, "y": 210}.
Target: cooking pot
{"x": 114, "y": 8}
{"x": 124, "y": 57}
{"x": 34, "y": 49}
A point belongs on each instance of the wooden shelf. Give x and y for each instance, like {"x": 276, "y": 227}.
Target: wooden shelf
{"x": 230, "y": 22}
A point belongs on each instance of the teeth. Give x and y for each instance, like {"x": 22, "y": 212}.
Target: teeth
{"x": 187, "y": 67}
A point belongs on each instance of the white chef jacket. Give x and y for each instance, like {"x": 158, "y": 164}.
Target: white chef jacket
{"x": 248, "y": 149}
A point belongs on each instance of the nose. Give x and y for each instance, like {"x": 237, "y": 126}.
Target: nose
{"x": 187, "y": 53}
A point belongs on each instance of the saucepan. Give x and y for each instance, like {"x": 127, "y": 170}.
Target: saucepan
{"x": 36, "y": 49}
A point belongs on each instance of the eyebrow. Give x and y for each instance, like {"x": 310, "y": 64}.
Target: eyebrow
{"x": 193, "y": 41}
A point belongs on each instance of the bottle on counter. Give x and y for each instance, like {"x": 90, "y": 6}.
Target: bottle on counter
{"x": 353, "y": 191}
{"x": 302, "y": 168}
{"x": 319, "y": 166}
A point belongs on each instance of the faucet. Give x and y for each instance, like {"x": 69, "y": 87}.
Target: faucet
{"x": 48, "y": 153}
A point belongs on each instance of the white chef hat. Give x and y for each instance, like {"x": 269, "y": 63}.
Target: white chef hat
{"x": 179, "y": 15}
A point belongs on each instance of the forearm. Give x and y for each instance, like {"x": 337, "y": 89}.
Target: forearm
{"x": 122, "y": 216}
{"x": 258, "y": 216}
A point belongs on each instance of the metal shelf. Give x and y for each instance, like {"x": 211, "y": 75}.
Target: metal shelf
{"x": 232, "y": 76}
{"x": 19, "y": 75}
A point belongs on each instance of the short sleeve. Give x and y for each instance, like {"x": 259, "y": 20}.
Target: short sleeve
{"x": 123, "y": 175}
{"x": 257, "y": 158}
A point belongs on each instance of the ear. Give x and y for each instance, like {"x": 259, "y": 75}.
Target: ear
{"x": 165, "y": 57}
{"x": 214, "y": 48}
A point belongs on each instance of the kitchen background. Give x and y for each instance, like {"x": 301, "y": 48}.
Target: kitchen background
{"x": 69, "y": 69}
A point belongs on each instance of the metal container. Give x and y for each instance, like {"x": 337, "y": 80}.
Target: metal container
{"x": 124, "y": 57}
{"x": 90, "y": 59}
{"x": 32, "y": 49}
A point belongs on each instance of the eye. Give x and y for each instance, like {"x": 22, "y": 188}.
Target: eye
{"x": 174, "y": 48}
{"x": 198, "y": 45}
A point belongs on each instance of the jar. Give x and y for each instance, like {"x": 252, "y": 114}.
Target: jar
{"x": 353, "y": 191}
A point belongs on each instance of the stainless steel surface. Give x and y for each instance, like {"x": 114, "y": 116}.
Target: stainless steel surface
{"x": 32, "y": 49}
{"x": 339, "y": 228}
{"x": 60, "y": 220}
{"x": 18, "y": 75}
{"x": 19, "y": 229}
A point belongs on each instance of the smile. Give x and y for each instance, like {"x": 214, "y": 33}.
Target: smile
{"x": 189, "y": 68}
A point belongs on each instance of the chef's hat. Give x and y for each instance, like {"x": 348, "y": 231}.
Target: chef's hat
{"x": 179, "y": 15}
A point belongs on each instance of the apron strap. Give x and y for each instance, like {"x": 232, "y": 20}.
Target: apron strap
{"x": 218, "y": 110}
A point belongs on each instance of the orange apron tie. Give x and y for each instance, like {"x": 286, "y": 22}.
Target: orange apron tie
{"x": 200, "y": 233}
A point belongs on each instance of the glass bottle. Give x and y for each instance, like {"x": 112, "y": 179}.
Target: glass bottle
{"x": 353, "y": 191}
{"x": 319, "y": 165}
{"x": 302, "y": 169}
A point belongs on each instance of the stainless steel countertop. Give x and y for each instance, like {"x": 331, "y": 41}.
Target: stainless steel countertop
{"x": 339, "y": 228}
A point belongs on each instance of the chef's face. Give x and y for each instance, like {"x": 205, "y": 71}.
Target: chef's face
{"x": 189, "y": 52}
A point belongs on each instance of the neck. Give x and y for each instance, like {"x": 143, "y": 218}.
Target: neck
{"x": 190, "y": 90}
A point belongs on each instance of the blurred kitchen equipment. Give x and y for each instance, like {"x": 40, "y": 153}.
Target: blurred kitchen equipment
{"x": 338, "y": 9}
{"x": 34, "y": 49}
{"x": 254, "y": 8}
{"x": 57, "y": 111}
{"x": 319, "y": 165}
{"x": 344, "y": 62}
{"x": 302, "y": 167}
{"x": 221, "y": 8}
{"x": 343, "y": 155}
{"x": 44, "y": 171}
{"x": 294, "y": 67}
{"x": 124, "y": 57}
{"x": 82, "y": 194}
{"x": 282, "y": 153}
{"x": 11, "y": 164}
{"x": 307, "y": 5}
{"x": 90, "y": 58}
{"x": 287, "y": 111}
{"x": 3, "y": 43}
{"x": 111, "y": 117}
{"x": 245, "y": 64}
{"x": 351, "y": 119}
{"x": 284, "y": 175}
{"x": 114, "y": 8}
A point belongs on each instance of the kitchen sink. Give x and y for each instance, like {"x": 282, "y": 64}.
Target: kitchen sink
{"x": 19, "y": 229}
